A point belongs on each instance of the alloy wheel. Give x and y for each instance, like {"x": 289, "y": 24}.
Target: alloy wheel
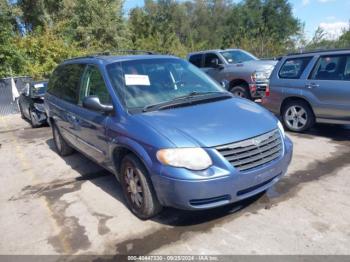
{"x": 134, "y": 188}
{"x": 296, "y": 117}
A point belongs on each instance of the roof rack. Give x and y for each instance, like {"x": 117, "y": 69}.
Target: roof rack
{"x": 319, "y": 51}
{"x": 114, "y": 52}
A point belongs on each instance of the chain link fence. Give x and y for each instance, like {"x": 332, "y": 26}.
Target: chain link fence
{"x": 7, "y": 105}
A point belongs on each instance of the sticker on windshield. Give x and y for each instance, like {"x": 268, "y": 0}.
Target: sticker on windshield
{"x": 37, "y": 86}
{"x": 137, "y": 80}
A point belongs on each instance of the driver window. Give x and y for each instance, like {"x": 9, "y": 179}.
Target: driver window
{"x": 94, "y": 85}
{"x": 209, "y": 60}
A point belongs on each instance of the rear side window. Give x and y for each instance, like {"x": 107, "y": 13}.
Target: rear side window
{"x": 65, "y": 81}
{"x": 294, "y": 67}
{"x": 336, "y": 67}
{"x": 196, "y": 60}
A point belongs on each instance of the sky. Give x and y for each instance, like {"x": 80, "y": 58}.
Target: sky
{"x": 331, "y": 15}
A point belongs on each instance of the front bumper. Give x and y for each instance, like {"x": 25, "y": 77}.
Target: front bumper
{"x": 258, "y": 90}
{"x": 39, "y": 116}
{"x": 213, "y": 192}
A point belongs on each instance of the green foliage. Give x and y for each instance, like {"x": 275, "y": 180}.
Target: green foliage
{"x": 266, "y": 28}
{"x": 96, "y": 24}
{"x": 39, "y": 13}
{"x": 320, "y": 40}
{"x": 10, "y": 57}
{"x": 58, "y": 29}
{"x": 42, "y": 51}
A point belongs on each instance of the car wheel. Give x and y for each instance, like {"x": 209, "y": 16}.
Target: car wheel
{"x": 21, "y": 111}
{"x": 298, "y": 116}
{"x": 138, "y": 189}
{"x": 240, "y": 91}
{"x": 33, "y": 119}
{"x": 62, "y": 147}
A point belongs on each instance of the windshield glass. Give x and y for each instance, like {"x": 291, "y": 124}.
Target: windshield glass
{"x": 237, "y": 56}
{"x": 147, "y": 82}
{"x": 39, "y": 89}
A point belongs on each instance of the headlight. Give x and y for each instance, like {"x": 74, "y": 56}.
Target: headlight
{"x": 39, "y": 107}
{"x": 280, "y": 127}
{"x": 260, "y": 76}
{"x": 190, "y": 158}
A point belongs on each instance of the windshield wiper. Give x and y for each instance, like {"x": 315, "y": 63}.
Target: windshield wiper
{"x": 183, "y": 99}
{"x": 196, "y": 93}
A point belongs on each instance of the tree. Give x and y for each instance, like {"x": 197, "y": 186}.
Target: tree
{"x": 320, "y": 40}
{"x": 10, "y": 58}
{"x": 43, "y": 51}
{"x": 96, "y": 24}
{"x": 266, "y": 28}
{"x": 154, "y": 27}
{"x": 40, "y": 13}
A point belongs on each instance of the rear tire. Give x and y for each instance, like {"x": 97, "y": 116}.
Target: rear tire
{"x": 63, "y": 149}
{"x": 138, "y": 189}
{"x": 241, "y": 91}
{"x": 298, "y": 116}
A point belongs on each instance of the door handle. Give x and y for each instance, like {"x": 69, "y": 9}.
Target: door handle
{"x": 312, "y": 85}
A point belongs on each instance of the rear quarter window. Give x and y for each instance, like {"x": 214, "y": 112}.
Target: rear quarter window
{"x": 294, "y": 67}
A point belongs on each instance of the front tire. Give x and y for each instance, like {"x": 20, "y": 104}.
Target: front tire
{"x": 240, "y": 91}
{"x": 62, "y": 147}
{"x": 138, "y": 189}
{"x": 33, "y": 120}
{"x": 297, "y": 116}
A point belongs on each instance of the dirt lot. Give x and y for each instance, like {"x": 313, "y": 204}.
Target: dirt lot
{"x": 54, "y": 205}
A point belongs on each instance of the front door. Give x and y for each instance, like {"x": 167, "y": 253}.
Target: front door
{"x": 211, "y": 68}
{"x": 329, "y": 82}
{"x": 91, "y": 131}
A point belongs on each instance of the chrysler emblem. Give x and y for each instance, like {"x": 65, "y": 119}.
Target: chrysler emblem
{"x": 256, "y": 141}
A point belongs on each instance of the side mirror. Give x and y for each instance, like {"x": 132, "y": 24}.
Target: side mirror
{"x": 216, "y": 64}
{"x": 93, "y": 103}
{"x": 25, "y": 91}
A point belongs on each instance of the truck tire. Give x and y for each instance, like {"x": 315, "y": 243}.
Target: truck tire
{"x": 241, "y": 91}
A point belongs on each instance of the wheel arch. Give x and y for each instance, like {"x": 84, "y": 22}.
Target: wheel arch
{"x": 239, "y": 81}
{"x": 295, "y": 98}
{"x": 120, "y": 150}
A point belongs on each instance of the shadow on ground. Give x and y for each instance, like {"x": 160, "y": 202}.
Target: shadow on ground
{"x": 89, "y": 171}
{"x": 338, "y": 133}
{"x": 174, "y": 217}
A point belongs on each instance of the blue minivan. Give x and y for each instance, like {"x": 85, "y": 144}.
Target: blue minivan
{"x": 170, "y": 134}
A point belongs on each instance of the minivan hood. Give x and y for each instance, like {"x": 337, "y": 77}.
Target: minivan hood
{"x": 211, "y": 124}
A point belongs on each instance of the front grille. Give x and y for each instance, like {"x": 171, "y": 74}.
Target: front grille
{"x": 253, "y": 152}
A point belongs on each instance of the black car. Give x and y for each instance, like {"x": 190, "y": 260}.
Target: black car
{"x": 31, "y": 103}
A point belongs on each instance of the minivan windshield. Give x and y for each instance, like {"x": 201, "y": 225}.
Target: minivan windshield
{"x": 237, "y": 56}
{"x": 144, "y": 83}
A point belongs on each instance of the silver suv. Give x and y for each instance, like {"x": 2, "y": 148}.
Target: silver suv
{"x": 238, "y": 71}
{"x": 311, "y": 87}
